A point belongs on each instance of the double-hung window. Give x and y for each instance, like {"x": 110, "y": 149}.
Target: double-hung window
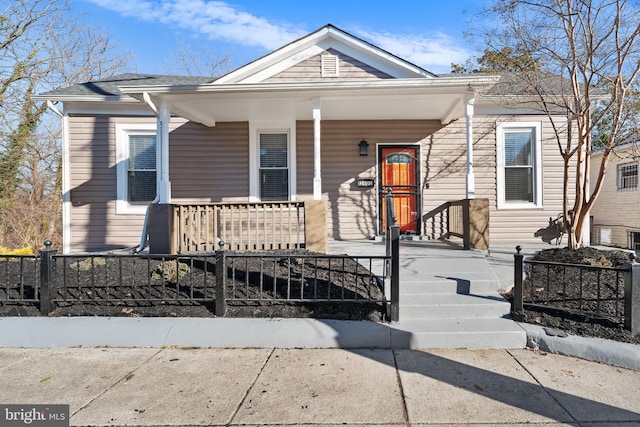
{"x": 274, "y": 166}
{"x": 627, "y": 177}
{"x": 519, "y": 165}
{"x": 136, "y": 166}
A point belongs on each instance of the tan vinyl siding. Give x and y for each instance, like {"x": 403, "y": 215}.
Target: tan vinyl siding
{"x": 310, "y": 70}
{"x": 212, "y": 164}
{"x": 522, "y": 225}
{"x": 93, "y": 189}
{"x": 615, "y": 213}
{"x": 206, "y": 164}
{"x": 209, "y": 164}
{"x": 353, "y": 211}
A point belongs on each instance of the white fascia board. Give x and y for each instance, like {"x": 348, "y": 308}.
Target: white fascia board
{"x": 83, "y": 98}
{"x": 444, "y": 84}
{"x": 327, "y": 37}
{"x": 376, "y": 57}
{"x": 107, "y": 108}
{"x": 272, "y": 58}
{"x": 280, "y": 66}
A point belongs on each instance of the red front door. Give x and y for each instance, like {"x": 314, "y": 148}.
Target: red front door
{"x": 399, "y": 176}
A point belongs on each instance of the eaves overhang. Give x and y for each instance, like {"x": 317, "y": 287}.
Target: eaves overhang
{"x": 453, "y": 84}
{"x": 424, "y": 98}
{"x": 83, "y": 98}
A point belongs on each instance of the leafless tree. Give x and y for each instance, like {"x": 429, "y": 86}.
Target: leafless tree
{"x": 200, "y": 61}
{"x": 589, "y": 52}
{"x": 43, "y": 46}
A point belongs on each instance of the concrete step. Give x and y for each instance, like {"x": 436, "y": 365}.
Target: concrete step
{"x": 441, "y": 285}
{"x": 486, "y": 333}
{"x": 450, "y": 305}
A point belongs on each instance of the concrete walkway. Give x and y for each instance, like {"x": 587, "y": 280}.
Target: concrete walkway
{"x": 321, "y": 387}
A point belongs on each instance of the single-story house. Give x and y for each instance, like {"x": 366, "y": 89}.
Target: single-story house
{"x": 615, "y": 217}
{"x": 328, "y": 117}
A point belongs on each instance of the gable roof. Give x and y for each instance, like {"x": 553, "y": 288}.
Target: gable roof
{"x": 385, "y": 86}
{"x": 323, "y": 39}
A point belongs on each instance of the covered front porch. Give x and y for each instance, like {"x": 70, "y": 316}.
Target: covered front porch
{"x": 320, "y": 125}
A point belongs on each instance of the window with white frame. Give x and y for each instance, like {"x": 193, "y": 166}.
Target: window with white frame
{"x": 136, "y": 166}
{"x": 627, "y": 177}
{"x": 519, "y": 165}
{"x": 274, "y": 166}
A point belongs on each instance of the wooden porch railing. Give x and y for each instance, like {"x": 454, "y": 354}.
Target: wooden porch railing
{"x": 467, "y": 219}
{"x": 241, "y": 226}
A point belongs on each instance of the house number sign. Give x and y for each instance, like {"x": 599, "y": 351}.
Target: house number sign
{"x": 365, "y": 182}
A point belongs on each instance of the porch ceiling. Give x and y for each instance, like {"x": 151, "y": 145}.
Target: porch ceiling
{"x": 426, "y": 99}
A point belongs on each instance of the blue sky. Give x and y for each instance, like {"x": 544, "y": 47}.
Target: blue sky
{"x": 428, "y": 33}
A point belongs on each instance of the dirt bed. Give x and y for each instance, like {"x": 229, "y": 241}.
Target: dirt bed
{"x": 600, "y": 294}
{"x": 342, "y": 289}
{"x": 193, "y": 293}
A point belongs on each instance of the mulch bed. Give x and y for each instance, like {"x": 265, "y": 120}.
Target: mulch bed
{"x": 146, "y": 287}
{"x": 143, "y": 287}
{"x": 579, "y": 301}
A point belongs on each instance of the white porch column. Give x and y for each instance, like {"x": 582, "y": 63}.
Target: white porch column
{"x": 162, "y": 154}
{"x": 317, "y": 178}
{"x": 470, "y": 181}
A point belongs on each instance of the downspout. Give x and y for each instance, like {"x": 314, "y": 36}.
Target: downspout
{"x": 149, "y": 102}
{"x": 470, "y": 179}
{"x": 66, "y": 180}
{"x": 143, "y": 237}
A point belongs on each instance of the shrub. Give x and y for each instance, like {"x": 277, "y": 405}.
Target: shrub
{"x": 22, "y": 251}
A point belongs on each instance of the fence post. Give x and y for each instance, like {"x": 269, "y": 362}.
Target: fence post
{"x": 517, "y": 307}
{"x": 46, "y": 282}
{"x": 632, "y": 296}
{"x": 221, "y": 288}
{"x": 391, "y": 215}
{"x": 394, "y": 316}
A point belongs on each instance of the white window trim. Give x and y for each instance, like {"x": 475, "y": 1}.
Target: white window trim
{"x": 122, "y": 156}
{"x": 257, "y": 127}
{"x": 536, "y": 152}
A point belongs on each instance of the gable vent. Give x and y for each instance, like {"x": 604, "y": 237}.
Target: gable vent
{"x": 330, "y": 66}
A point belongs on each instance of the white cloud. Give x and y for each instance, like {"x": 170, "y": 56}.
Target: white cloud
{"x": 214, "y": 19}
{"x": 434, "y": 53}
{"x": 217, "y": 20}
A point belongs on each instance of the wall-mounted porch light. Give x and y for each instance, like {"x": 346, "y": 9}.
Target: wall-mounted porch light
{"x": 364, "y": 148}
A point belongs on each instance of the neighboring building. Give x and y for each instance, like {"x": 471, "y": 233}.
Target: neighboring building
{"x": 291, "y": 125}
{"x": 616, "y": 213}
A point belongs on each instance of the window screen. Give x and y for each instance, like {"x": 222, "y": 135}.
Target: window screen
{"x": 141, "y": 169}
{"x": 274, "y": 168}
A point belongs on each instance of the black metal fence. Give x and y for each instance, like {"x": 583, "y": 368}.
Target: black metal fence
{"x": 51, "y": 281}
{"x": 589, "y": 291}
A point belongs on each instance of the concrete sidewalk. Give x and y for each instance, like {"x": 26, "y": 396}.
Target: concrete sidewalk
{"x": 171, "y": 387}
